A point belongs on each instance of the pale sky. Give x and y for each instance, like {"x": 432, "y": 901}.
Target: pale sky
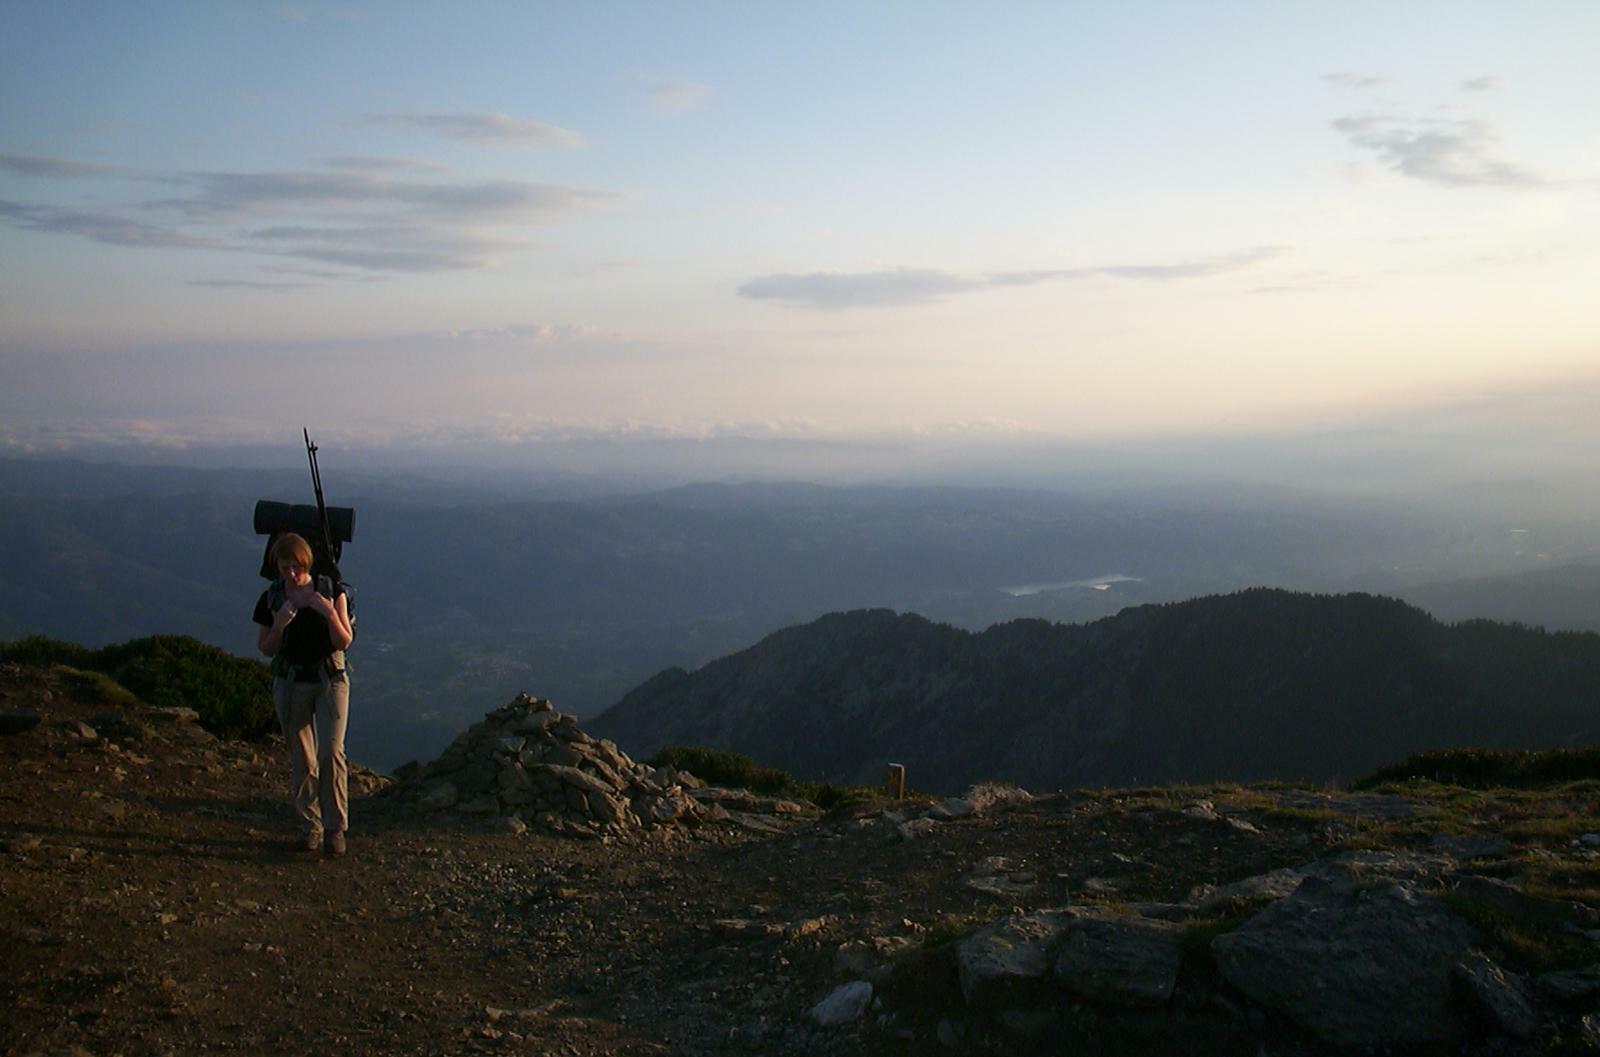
{"x": 219, "y": 221}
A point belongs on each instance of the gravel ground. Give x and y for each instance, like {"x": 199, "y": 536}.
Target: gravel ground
{"x": 152, "y": 902}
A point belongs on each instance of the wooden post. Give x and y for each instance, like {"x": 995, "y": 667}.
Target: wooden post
{"x": 894, "y": 781}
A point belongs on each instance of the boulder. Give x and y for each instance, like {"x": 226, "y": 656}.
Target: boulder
{"x": 1571, "y": 985}
{"x": 1499, "y": 998}
{"x": 439, "y": 795}
{"x": 953, "y": 808}
{"x": 917, "y": 827}
{"x": 844, "y": 1004}
{"x": 580, "y": 780}
{"x": 477, "y": 776}
{"x": 1006, "y": 964}
{"x": 1537, "y": 912}
{"x": 1357, "y": 963}
{"x": 533, "y": 722}
{"x": 169, "y": 714}
{"x": 1208, "y": 899}
{"x": 1121, "y": 960}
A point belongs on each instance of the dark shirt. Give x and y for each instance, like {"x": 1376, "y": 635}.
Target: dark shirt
{"x": 305, "y": 639}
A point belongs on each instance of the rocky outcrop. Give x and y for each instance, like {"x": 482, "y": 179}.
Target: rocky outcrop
{"x": 1355, "y": 963}
{"x": 527, "y": 763}
{"x": 1362, "y": 951}
{"x": 1122, "y": 959}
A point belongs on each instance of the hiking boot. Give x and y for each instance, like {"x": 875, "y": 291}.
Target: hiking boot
{"x": 312, "y": 841}
{"x": 336, "y": 843}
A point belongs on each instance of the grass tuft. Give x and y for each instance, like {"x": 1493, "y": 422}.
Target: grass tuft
{"x": 1524, "y": 947}
{"x": 735, "y": 770}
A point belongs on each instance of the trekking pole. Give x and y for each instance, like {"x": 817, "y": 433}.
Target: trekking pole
{"x": 322, "y": 508}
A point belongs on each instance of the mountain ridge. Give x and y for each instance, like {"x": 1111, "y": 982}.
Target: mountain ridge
{"x": 1253, "y": 685}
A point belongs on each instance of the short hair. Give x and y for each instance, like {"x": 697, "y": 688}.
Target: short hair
{"x": 292, "y": 547}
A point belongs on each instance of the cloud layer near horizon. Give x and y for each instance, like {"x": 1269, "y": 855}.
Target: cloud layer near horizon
{"x": 911, "y": 286}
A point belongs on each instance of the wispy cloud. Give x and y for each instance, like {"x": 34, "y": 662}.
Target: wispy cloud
{"x": 383, "y": 163}
{"x": 396, "y": 248}
{"x": 412, "y": 260}
{"x": 56, "y": 168}
{"x": 311, "y": 273}
{"x": 675, "y": 97}
{"x": 904, "y": 286}
{"x": 522, "y": 333}
{"x": 372, "y": 213}
{"x": 1355, "y": 80}
{"x": 911, "y": 286}
{"x": 1448, "y": 152}
{"x": 390, "y": 236}
{"x": 105, "y": 228}
{"x": 494, "y": 129}
{"x": 247, "y": 284}
{"x": 1486, "y": 83}
{"x": 504, "y": 199}
{"x": 1163, "y": 272}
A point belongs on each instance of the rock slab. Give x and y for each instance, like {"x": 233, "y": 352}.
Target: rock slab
{"x": 1122, "y": 960}
{"x": 1003, "y": 964}
{"x": 1356, "y": 964}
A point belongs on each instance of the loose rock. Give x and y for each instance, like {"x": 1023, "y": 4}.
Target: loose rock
{"x": 846, "y": 1003}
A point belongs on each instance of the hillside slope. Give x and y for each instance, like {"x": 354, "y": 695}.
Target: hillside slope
{"x": 154, "y": 904}
{"x": 1255, "y": 685}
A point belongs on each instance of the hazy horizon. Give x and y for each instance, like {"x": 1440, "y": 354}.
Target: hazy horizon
{"x": 920, "y": 226}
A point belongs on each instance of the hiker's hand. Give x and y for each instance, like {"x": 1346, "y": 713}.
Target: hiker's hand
{"x": 285, "y": 613}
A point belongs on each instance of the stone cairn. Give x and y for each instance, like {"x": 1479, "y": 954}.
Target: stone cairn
{"x": 528, "y": 764}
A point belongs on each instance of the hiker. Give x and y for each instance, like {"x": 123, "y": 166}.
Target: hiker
{"x": 304, "y": 626}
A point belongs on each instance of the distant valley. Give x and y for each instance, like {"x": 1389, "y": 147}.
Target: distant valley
{"x": 466, "y": 595}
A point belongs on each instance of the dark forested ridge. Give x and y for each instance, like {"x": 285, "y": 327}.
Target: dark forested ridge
{"x": 1254, "y": 685}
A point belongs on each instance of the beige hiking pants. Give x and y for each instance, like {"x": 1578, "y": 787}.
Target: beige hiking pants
{"x": 313, "y": 718}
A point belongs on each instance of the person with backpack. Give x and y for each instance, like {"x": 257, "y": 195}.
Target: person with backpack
{"x": 303, "y": 624}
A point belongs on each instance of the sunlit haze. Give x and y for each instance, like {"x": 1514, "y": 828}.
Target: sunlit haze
{"x": 498, "y": 223}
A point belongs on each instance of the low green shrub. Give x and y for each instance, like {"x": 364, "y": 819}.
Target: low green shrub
{"x": 42, "y": 652}
{"x": 232, "y": 695}
{"x": 1491, "y": 768}
{"x": 737, "y": 771}
{"x": 97, "y": 685}
{"x": 731, "y": 769}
